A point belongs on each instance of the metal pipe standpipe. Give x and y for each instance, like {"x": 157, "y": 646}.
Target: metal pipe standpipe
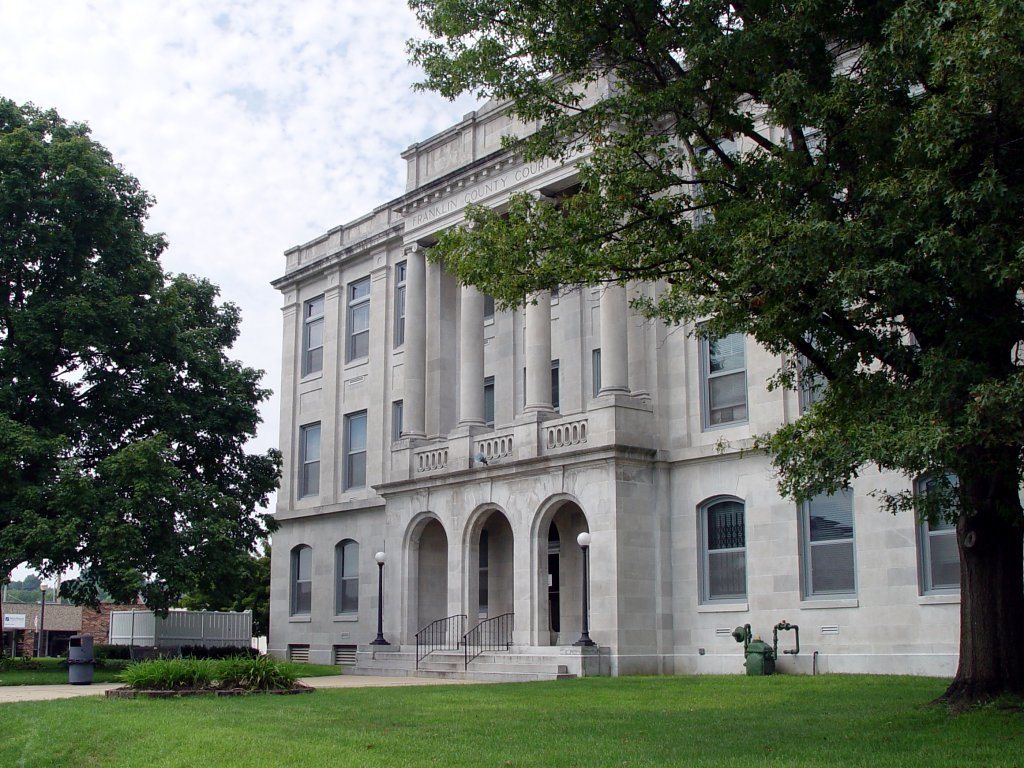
{"x": 80, "y": 659}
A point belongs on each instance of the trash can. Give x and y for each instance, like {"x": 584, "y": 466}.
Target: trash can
{"x": 80, "y": 659}
{"x": 760, "y": 658}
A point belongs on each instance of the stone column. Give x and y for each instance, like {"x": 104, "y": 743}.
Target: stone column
{"x": 637, "y": 353}
{"x": 538, "y": 354}
{"x": 614, "y": 341}
{"x": 413, "y": 417}
{"x": 471, "y": 354}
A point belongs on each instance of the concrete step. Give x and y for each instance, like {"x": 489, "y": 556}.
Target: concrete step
{"x": 497, "y": 666}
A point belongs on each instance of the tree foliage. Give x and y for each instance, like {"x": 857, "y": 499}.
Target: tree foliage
{"x": 122, "y": 419}
{"x": 246, "y": 589}
{"x": 840, "y": 180}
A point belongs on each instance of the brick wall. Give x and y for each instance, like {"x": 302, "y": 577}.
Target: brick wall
{"x": 97, "y": 622}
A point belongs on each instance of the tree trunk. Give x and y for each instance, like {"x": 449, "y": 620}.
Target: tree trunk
{"x": 991, "y": 543}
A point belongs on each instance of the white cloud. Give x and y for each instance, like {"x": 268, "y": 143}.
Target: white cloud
{"x": 257, "y": 125}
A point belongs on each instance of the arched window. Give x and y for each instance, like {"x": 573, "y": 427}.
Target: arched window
{"x": 302, "y": 580}
{"x": 723, "y": 541}
{"x": 346, "y": 577}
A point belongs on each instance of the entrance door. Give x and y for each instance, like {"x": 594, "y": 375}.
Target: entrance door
{"x": 554, "y": 612}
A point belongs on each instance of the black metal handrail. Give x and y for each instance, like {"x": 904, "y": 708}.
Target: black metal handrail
{"x": 493, "y": 634}
{"x": 440, "y": 635}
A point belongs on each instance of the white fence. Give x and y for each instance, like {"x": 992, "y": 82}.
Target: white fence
{"x": 208, "y": 628}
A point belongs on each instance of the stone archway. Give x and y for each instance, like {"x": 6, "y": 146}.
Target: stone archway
{"x": 491, "y": 567}
{"x": 559, "y": 574}
{"x": 428, "y": 566}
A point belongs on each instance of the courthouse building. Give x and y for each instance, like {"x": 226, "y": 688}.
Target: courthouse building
{"x": 473, "y": 446}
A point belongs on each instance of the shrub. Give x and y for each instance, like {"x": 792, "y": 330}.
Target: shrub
{"x": 102, "y": 652}
{"x": 261, "y": 673}
{"x": 221, "y": 652}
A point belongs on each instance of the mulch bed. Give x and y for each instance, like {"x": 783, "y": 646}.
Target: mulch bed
{"x": 131, "y": 693}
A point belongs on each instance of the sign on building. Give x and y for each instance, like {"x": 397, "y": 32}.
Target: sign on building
{"x": 14, "y": 621}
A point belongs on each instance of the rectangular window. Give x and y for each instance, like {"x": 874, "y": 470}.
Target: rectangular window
{"x": 358, "y": 320}
{"x": 313, "y": 336}
{"x": 938, "y": 556}
{"x": 724, "y": 380}
{"x": 554, "y": 384}
{"x": 723, "y": 550}
{"x": 397, "y": 416}
{"x": 489, "y": 401}
{"x": 595, "y": 368}
{"x": 355, "y": 450}
{"x": 812, "y": 384}
{"x": 309, "y": 460}
{"x": 827, "y": 545}
{"x": 400, "y": 304}
{"x": 488, "y": 308}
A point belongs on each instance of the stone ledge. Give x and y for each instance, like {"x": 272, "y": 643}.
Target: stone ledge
{"x": 131, "y": 693}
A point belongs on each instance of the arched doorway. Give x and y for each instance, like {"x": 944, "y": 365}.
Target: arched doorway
{"x": 560, "y": 562}
{"x": 491, "y": 567}
{"x": 431, "y": 569}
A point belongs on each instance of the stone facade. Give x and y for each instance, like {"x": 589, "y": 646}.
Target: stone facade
{"x": 418, "y": 424}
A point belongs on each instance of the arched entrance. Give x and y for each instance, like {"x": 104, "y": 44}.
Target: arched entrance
{"x": 560, "y": 574}
{"x": 430, "y": 555}
{"x": 491, "y": 567}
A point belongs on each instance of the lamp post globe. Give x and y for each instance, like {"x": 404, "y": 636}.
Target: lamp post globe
{"x": 584, "y": 541}
{"x": 379, "y": 639}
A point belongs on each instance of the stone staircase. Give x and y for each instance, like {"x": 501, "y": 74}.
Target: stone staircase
{"x": 518, "y": 664}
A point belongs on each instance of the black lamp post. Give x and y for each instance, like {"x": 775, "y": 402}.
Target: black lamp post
{"x": 379, "y": 639}
{"x": 584, "y": 541}
{"x": 42, "y": 619}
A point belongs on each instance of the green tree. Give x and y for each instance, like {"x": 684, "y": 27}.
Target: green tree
{"x": 122, "y": 420}
{"x": 246, "y": 589}
{"x": 840, "y": 180}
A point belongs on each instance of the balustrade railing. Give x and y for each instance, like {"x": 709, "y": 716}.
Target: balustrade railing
{"x": 432, "y": 459}
{"x": 565, "y": 433}
{"x": 440, "y": 635}
{"x": 495, "y": 447}
{"x": 493, "y": 634}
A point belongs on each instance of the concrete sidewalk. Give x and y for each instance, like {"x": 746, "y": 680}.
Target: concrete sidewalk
{"x": 13, "y": 693}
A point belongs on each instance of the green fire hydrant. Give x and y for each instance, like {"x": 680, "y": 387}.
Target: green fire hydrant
{"x": 760, "y": 657}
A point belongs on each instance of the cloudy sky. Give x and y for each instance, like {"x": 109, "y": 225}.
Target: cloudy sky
{"x": 257, "y": 125}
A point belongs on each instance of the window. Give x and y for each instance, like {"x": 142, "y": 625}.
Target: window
{"x": 811, "y": 383}
{"x": 309, "y": 460}
{"x": 938, "y": 556}
{"x": 358, "y": 320}
{"x": 827, "y": 545}
{"x": 313, "y": 336}
{"x": 489, "y": 401}
{"x": 397, "y": 416}
{"x": 483, "y": 572}
{"x": 723, "y": 551}
{"x": 595, "y": 371}
{"x": 302, "y": 580}
{"x": 554, "y": 384}
{"x": 346, "y": 577}
{"x": 355, "y": 450}
{"x": 488, "y": 308}
{"x": 400, "y": 304}
{"x": 725, "y": 380}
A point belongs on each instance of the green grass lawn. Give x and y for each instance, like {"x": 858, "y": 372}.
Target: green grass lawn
{"x": 684, "y": 721}
{"x": 50, "y": 672}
